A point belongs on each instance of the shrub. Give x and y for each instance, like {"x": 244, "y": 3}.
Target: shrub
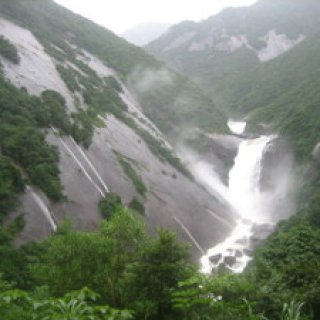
{"x": 109, "y": 205}
{"x": 8, "y": 50}
{"x": 136, "y": 205}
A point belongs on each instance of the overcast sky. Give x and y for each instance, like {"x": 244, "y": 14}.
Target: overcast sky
{"x": 120, "y": 15}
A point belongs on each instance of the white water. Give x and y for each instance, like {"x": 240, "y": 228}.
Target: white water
{"x": 237, "y": 127}
{"x": 249, "y": 202}
{"x": 189, "y": 234}
{"x": 44, "y": 209}
{"x": 244, "y": 180}
{"x": 78, "y": 162}
{"x": 93, "y": 168}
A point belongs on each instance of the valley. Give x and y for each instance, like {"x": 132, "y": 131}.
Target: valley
{"x": 175, "y": 181}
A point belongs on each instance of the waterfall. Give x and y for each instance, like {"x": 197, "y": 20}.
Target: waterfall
{"x": 244, "y": 180}
{"x": 250, "y": 204}
{"x": 44, "y": 209}
{"x": 93, "y": 168}
{"x": 237, "y": 127}
{"x": 85, "y": 172}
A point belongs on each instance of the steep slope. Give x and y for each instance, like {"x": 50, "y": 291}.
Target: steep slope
{"x": 57, "y": 28}
{"x": 259, "y": 62}
{"x": 221, "y": 51}
{"x": 72, "y": 131}
{"x": 285, "y": 98}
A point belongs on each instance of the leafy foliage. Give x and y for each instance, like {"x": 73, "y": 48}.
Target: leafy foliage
{"x": 22, "y": 140}
{"x": 137, "y": 206}
{"x": 8, "y": 50}
{"x": 16, "y": 304}
{"x": 110, "y": 205}
{"x": 11, "y": 184}
{"x": 151, "y": 277}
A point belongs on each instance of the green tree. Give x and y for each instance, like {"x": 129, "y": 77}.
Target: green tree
{"x": 73, "y": 260}
{"x": 110, "y": 205}
{"x": 158, "y": 271}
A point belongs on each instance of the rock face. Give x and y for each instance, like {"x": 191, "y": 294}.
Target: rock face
{"x": 225, "y": 149}
{"x": 173, "y": 200}
{"x": 219, "y": 151}
{"x": 275, "y": 44}
{"x": 278, "y": 161}
{"x": 36, "y": 71}
{"x": 316, "y": 153}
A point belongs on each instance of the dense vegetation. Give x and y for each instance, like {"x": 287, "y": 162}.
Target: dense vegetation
{"x": 11, "y": 184}
{"x": 8, "y": 50}
{"x": 22, "y": 141}
{"x": 109, "y": 204}
{"x": 134, "y": 276}
{"x": 294, "y": 114}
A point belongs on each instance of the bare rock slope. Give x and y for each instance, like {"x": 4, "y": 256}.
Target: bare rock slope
{"x": 172, "y": 201}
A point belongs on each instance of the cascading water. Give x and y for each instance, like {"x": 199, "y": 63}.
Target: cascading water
{"x": 249, "y": 202}
{"x": 244, "y": 180}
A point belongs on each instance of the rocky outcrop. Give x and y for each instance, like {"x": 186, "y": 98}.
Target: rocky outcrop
{"x": 275, "y": 44}
{"x": 219, "y": 151}
{"x": 277, "y": 178}
{"x": 36, "y": 70}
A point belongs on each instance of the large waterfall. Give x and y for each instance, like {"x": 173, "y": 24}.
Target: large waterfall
{"x": 244, "y": 180}
{"x": 250, "y": 203}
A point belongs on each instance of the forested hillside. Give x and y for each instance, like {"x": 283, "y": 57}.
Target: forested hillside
{"x": 57, "y": 28}
{"x": 218, "y": 53}
{"x": 279, "y": 91}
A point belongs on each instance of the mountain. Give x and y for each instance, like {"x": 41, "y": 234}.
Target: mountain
{"x": 89, "y": 171}
{"x": 219, "y": 52}
{"x": 144, "y": 33}
{"x": 80, "y": 110}
{"x": 261, "y": 64}
{"x": 258, "y": 63}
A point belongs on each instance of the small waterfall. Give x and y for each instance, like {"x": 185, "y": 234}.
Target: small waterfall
{"x": 237, "y": 127}
{"x": 189, "y": 234}
{"x": 78, "y": 162}
{"x": 93, "y": 168}
{"x": 44, "y": 209}
{"x": 245, "y": 196}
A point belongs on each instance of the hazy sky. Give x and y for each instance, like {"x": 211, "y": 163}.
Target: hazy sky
{"x": 120, "y": 15}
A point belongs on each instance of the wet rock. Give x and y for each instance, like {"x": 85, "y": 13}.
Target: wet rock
{"x": 242, "y": 241}
{"x": 261, "y": 232}
{"x": 239, "y": 254}
{"x": 230, "y": 260}
{"x": 249, "y": 252}
{"x": 219, "y": 150}
{"x": 215, "y": 259}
